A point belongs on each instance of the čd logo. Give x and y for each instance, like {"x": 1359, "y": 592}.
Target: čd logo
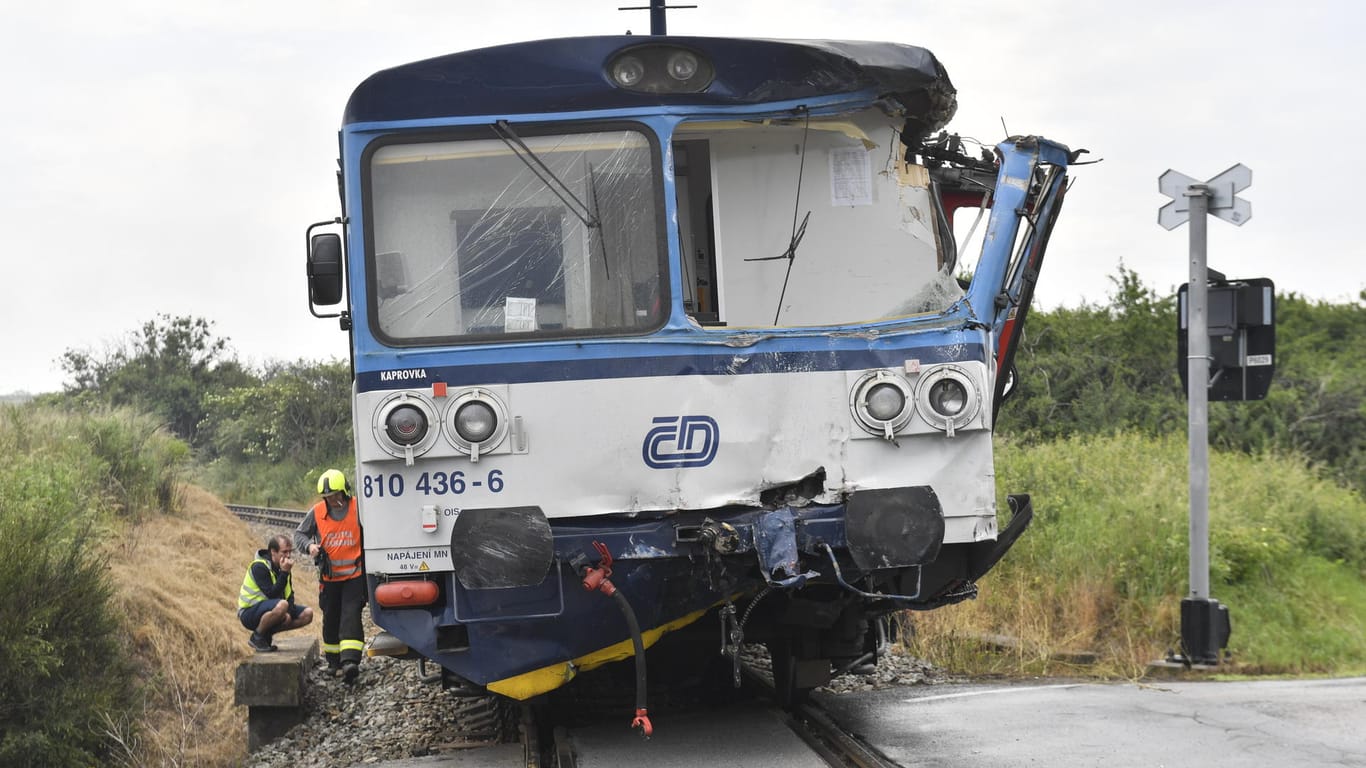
{"x": 681, "y": 441}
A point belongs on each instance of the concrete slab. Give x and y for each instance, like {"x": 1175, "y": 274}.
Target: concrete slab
{"x": 276, "y": 679}
{"x": 271, "y": 686}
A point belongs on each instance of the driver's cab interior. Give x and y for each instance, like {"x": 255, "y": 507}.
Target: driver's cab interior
{"x": 807, "y": 222}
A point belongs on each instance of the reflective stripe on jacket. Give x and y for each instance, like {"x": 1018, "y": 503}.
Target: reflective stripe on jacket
{"x": 341, "y": 540}
{"x": 251, "y": 592}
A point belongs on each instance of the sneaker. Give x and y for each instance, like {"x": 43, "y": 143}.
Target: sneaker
{"x": 350, "y": 670}
{"x": 260, "y": 644}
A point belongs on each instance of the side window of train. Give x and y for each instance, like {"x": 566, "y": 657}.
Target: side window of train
{"x": 692, "y": 174}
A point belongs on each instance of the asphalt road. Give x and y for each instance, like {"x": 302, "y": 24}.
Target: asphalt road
{"x": 1266, "y": 724}
{"x": 1300, "y": 723}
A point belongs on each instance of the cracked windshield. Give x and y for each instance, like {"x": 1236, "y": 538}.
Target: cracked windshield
{"x": 515, "y": 234}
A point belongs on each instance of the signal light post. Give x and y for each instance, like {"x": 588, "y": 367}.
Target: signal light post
{"x": 1205, "y": 624}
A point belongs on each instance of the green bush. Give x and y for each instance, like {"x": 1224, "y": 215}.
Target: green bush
{"x": 63, "y": 668}
{"x": 128, "y": 461}
{"x": 69, "y": 479}
{"x": 144, "y": 465}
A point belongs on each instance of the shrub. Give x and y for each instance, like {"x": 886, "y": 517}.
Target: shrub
{"x": 143, "y": 463}
{"x": 63, "y": 669}
{"x": 70, "y": 481}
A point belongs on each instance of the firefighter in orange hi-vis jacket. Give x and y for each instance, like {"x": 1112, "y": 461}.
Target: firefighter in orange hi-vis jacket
{"x": 331, "y": 534}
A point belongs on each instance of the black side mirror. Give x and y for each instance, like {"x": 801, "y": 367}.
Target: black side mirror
{"x": 325, "y": 269}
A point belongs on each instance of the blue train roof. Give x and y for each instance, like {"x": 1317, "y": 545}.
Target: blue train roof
{"x": 568, "y": 74}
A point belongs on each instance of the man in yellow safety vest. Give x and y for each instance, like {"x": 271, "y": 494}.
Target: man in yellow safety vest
{"x": 265, "y": 604}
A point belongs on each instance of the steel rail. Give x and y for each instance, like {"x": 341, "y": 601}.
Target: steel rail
{"x": 832, "y": 742}
{"x": 268, "y": 515}
{"x": 827, "y": 738}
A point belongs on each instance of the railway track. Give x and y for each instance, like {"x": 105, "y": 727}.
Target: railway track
{"x": 834, "y": 744}
{"x": 268, "y": 515}
{"x": 548, "y": 744}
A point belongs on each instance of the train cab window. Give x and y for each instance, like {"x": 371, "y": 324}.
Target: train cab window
{"x": 797, "y": 222}
{"x": 482, "y": 238}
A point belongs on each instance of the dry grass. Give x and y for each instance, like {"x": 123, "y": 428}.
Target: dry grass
{"x": 177, "y": 579}
{"x": 1036, "y": 629}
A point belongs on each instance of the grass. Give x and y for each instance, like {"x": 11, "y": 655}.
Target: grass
{"x": 1104, "y": 566}
{"x": 178, "y": 580}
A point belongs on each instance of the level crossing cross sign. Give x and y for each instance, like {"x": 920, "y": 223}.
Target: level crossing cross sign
{"x": 1223, "y": 200}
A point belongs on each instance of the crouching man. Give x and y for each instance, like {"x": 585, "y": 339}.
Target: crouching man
{"x": 266, "y": 603}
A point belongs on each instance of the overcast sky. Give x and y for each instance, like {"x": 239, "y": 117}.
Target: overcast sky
{"x": 165, "y": 156}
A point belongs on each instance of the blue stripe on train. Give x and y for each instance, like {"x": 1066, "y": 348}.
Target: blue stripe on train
{"x": 415, "y": 372}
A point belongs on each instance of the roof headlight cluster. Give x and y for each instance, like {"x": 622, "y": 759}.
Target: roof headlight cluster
{"x": 658, "y": 68}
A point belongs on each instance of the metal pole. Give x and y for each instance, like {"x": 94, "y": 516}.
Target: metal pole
{"x": 1197, "y": 380}
{"x": 658, "y": 26}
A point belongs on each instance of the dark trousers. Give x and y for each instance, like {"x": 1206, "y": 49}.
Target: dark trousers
{"x": 343, "y": 633}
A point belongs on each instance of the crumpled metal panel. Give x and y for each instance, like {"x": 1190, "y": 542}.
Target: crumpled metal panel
{"x": 775, "y": 536}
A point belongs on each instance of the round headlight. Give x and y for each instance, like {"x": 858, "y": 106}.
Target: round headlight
{"x": 881, "y": 403}
{"x": 682, "y": 65}
{"x": 628, "y": 71}
{"x": 948, "y": 397}
{"x": 403, "y": 425}
{"x": 406, "y": 425}
{"x": 885, "y": 401}
{"x": 475, "y": 421}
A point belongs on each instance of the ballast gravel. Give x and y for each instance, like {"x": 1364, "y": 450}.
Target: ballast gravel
{"x": 389, "y": 713}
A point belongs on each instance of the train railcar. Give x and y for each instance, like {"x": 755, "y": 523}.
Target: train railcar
{"x": 659, "y": 333}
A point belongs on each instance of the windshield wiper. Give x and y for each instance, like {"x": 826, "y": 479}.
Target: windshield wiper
{"x": 798, "y": 230}
{"x": 602, "y": 235}
{"x": 547, "y": 176}
{"x": 555, "y": 184}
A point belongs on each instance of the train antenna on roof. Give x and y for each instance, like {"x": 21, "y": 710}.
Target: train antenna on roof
{"x": 658, "y": 26}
